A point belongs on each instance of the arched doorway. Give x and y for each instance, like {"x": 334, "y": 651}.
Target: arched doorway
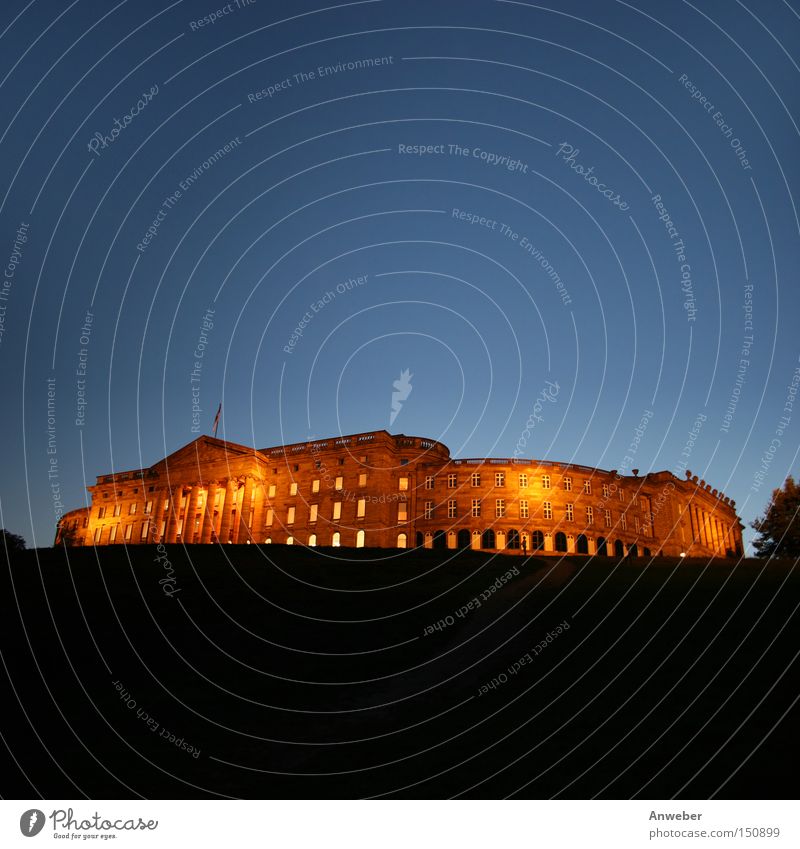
{"x": 420, "y": 539}
{"x": 561, "y": 541}
{"x": 582, "y": 544}
{"x": 487, "y": 539}
{"x": 463, "y": 538}
{"x": 633, "y": 550}
{"x": 537, "y": 541}
{"x": 602, "y": 547}
{"x": 312, "y": 540}
{"x": 513, "y": 539}
{"x": 619, "y": 551}
{"x": 439, "y": 539}
{"x": 337, "y": 540}
{"x": 647, "y": 553}
{"x": 402, "y": 540}
{"x": 360, "y": 538}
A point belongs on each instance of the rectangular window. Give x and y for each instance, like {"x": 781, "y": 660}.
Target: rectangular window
{"x": 605, "y": 490}
{"x": 587, "y": 487}
{"x": 428, "y": 481}
{"x": 362, "y": 479}
{"x": 361, "y": 510}
{"x": 608, "y": 518}
{"x": 499, "y": 478}
{"x": 569, "y": 512}
{"x": 402, "y": 484}
{"x": 117, "y": 509}
{"x": 290, "y": 516}
{"x": 313, "y": 511}
{"x": 101, "y": 512}
{"x": 547, "y": 510}
{"x": 315, "y": 485}
{"x": 293, "y": 488}
{"x": 636, "y": 523}
{"x": 568, "y": 484}
{"x": 428, "y": 510}
{"x": 451, "y": 509}
{"x": 113, "y": 535}
{"x": 270, "y": 517}
{"x": 402, "y": 511}
{"x": 476, "y": 479}
{"x": 523, "y": 509}
{"x": 589, "y": 515}
{"x": 128, "y": 532}
{"x": 500, "y": 508}
{"x": 337, "y": 509}
{"x": 148, "y": 508}
{"x": 476, "y": 507}
{"x": 97, "y": 532}
{"x": 132, "y": 509}
{"x": 523, "y": 481}
{"x": 643, "y": 503}
{"x": 621, "y": 494}
{"x": 145, "y": 528}
{"x": 339, "y": 484}
{"x": 452, "y": 481}
{"x": 623, "y": 520}
{"x": 545, "y": 481}
{"x": 271, "y": 492}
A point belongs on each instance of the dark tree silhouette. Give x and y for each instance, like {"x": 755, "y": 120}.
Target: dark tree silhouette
{"x": 779, "y": 527}
{"x": 11, "y": 543}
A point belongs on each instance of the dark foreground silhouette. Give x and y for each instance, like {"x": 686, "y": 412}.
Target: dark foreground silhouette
{"x": 275, "y": 671}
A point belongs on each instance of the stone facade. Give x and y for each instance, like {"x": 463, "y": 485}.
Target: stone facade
{"x": 394, "y": 491}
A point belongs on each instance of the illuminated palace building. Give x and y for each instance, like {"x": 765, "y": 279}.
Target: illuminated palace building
{"x": 379, "y": 490}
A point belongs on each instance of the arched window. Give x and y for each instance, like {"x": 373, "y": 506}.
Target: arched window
{"x": 561, "y": 541}
{"x": 537, "y": 541}
{"x": 402, "y": 540}
{"x": 618, "y": 549}
{"x": 268, "y": 541}
{"x": 487, "y": 539}
{"x": 602, "y": 547}
{"x": 439, "y": 539}
{"x": 476, "y": 539}
{"x": 582, "y": 546}
{"x": 647, "y": 552}
{"x": 420, "y": 539}
{"x": 500, "y": 540}
{"x": 463, "y": 538}
{"x": 337, "y": 540}
{"x": 428, "y": 539}
{"x": 312, "y": 540}
{"x": 289, "y": 540}
{"x": 513, "y": 539}
{"x": 360, "y": 538}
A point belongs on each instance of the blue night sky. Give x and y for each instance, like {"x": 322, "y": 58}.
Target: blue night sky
{"x": 492, "y": 195}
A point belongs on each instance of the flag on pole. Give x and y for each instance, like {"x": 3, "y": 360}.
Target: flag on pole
{"x": 216, "y": 419}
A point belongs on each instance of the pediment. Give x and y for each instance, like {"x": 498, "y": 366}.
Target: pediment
{"x": 203, "y": 451}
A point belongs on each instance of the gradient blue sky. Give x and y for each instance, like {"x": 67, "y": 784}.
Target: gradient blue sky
{"x": 317, "y": 192}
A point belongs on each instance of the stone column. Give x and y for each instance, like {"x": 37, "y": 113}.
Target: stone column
{"x": 227, "y": 506}
{"x": 158, "y": 517}
{"x": 173, "y": 511}
{"x": 244, "y": 531}
{"x": 191, "y": 512}
{"x": 257, "y": 525}
{"x": 207, "y": 523}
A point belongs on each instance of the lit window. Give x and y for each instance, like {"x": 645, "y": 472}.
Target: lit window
{"x": 97, "y": 532}
{"x": 476, "y": 479}
{"x": 312, "y": 516}
{"x": 643, "y": 503}
{"x": 523, "y": 480}
{"x": 499, "y": 478}
{"x": 148, "y": 508}
{"x": 623, "y": 520}
{"x": 271, "y": 493}
{"x": 476, "y": 507}
{"x": 547, "y": 510}
{"x": 290, "y": 516}
{"x": 289, "y": 540}
{"x": 270, "y": 517}
{"x": 621, "y": 494}
{"x": 362, "y": 479}
{"x": 113, "y": 535}
{"x": 336, "y": 540}
{"x": 312, "y": 540}
{"x": 589, "y": 515}
{"x": 608, "y": 518}
{"x": 117, "y": 509}
{"x": 315, "y": 485}
{"x": 568, "y": 484}
{"x": 451, "y": 508}
{"x": 523, "y": 509}
{"x": 428, "y": 481}
{"x": 293, "y": 488}
{"x": 145, "y": 528}
{"x": 500, "y": 508}
{"x": 402, "y": 540}
{"x": 402, "y": 511}
{"x": 428, "y": 510}
{"x": 128, "y": 532}
{"x": 337, "y": 509}
{"x": 587, "y": 487}
{"x": 545, "y": 481}
{"x": 452, "y": 481}
{"x": 605, "y": 490}
{"x": 132, "y": 509}
{"x": 101, "y": 512}
{"x": 402, "y": 484}
{"x": 569, "y": 512}
{"x": 361, "y": 508}
{"x": 360, "y": 539}
{"x": 339, "y": 483}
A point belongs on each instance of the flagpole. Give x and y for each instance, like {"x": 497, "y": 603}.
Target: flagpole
{"x": 216, "y": 420}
